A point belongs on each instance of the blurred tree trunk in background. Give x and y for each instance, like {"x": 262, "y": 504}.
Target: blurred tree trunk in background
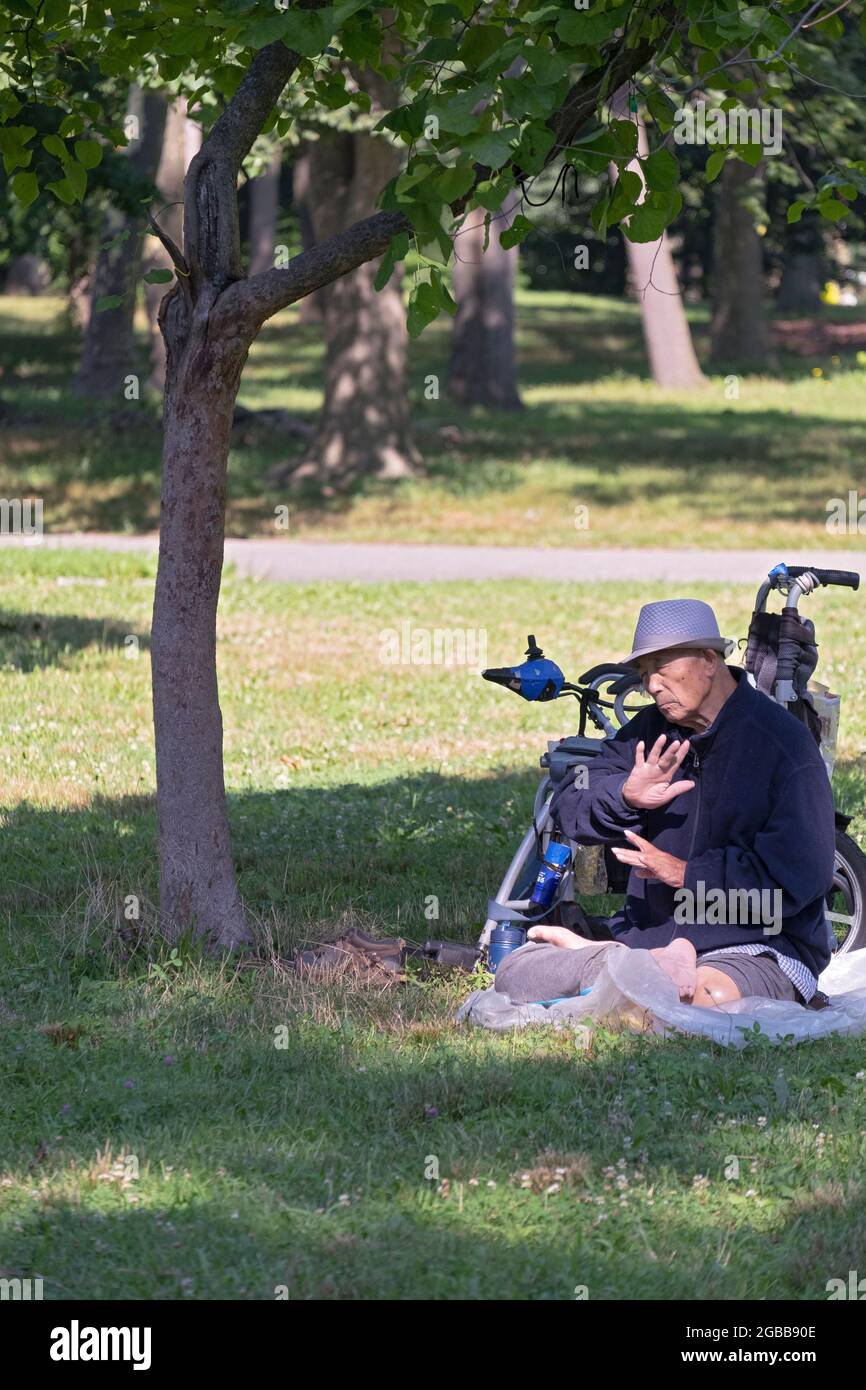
{"x": 181, "y": 142}
{"x": 666, "y": 332}
{"x": 311, "y": 309}
{"x": 27, "y": 275}
{"x": 264, "y": 209}
{"x": 482, "y": 370}
{"x": 108, "y": 352}
{"x": 799, "y": 290}
{"x": 738, "y": 332}
{"x": 364, "y": 426}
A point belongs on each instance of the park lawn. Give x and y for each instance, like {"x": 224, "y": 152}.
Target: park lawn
{"x": 157, "y": 1144}
{"x": 751, "y": 462}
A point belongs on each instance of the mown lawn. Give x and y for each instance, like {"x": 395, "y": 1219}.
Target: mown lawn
{"x": 157, "y": 1144}
{"x": 652, "y": 467}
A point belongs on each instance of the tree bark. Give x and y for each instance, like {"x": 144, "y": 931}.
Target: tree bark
{"x": 482, "y": 370}
{"x": 311, "y": 309}
{"x": 198, "y": 889}
{"x": 364, "y": 427}
{"x": 670, "y": 350}
{"x": 802, "y": 279}
{"x": 108, "y": 353}
{"x": 264, "y": 208}
{"x": 738, "y": 332}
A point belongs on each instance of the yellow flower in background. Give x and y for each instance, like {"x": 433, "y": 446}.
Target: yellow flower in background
{"x": 817, "y": 371}
{"x": 761, "y": 229}
{"x": 831, "y": 293}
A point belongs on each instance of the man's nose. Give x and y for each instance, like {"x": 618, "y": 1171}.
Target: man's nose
{"x": 654, "y": 685}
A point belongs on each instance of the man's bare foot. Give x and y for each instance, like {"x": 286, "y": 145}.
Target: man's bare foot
{"x": 558, "y": 936}
{"x": 679, "y": 960}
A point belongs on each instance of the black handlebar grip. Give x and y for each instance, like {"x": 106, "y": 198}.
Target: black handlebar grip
{"x": 846, "y": 578}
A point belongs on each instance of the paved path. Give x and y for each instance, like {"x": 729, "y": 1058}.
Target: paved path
{"x": 298, "y": 561}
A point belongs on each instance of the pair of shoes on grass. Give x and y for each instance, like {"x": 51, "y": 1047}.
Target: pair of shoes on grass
{"x": 356, "y": 954}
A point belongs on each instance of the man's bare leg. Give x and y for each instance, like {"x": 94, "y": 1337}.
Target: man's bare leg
{"x": 562, "y": 936}
{"x": 714, "y": 987}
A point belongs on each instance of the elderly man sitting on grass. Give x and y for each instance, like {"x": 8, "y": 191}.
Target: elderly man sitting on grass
{"x": 725, "y": 804}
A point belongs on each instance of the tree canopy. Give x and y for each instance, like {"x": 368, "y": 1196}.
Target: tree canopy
{"x": 477, "y": 124}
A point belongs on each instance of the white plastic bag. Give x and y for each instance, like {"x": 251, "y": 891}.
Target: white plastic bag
{"x": 633, "y": 991}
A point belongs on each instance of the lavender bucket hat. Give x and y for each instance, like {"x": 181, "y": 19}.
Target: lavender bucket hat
{"x": 675, "y": 622}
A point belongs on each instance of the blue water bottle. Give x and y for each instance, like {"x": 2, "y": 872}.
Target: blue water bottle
{"x": 503, "y": 940}
{"x": 554, "y": 864}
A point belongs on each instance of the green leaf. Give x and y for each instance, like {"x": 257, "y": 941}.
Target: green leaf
{"x": 516, "y": 233}
{"x": 456, "y": 111}
{"x": 63, "y": 190}
{"x": 491, "y": 192}
{"x": 662, "y": 109}
{"x": 88, "y": 153}
{"x": 445, "y": 298}
{"x": 480, "y": 42}
{"x": 71, "y": 125}
{"x": 76, "y": 177}
{"x": 714, "y": 164}
{"x": 307, "y": 31}
{"x": 423, "y": 308}
{"x": 108, "y": 301}
{"x": 625, "y": 196}
{"x": 587, "y": 27}
{"x": 832, "y": 209}
{"x": 158, "y": 277}
{"x": 492, "y": 147}
{"x": 661, "y": 170}
{"x": 796, "y": 210}
{"x": 546, "y": 67}
{"x": 26, "y": 188}
{"x": 396, "y": 252}
{"x": 453, "y": 183}
{"x": 54, "y": 145}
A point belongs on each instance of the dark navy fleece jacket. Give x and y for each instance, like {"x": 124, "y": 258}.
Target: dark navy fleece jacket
{"x": 760, "y": 817}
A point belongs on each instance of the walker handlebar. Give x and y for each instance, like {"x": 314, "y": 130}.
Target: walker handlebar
{"x": 845, "y": 578}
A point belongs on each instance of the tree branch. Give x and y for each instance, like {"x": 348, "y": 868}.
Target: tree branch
{"x": 255, "y": 300}
{"x": 212, "y": 241}
{"x": 251, "y": 302}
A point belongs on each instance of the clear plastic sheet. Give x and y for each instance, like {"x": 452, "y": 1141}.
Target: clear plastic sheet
{"x": 632, "y": 991}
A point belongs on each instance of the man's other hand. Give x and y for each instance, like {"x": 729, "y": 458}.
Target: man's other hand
{"x": 649, "y": 783}
{"x": 651, "y": 862}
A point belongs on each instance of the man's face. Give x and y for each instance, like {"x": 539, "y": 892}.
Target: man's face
{"x": 678, "y": 681}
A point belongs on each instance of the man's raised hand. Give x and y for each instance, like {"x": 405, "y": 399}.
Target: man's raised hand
{"x": 649, "y": 783}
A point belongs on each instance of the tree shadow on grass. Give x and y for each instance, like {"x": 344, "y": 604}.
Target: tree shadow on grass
{"x": 307, "y": 854}
{"x": 251, "y": 1147}
{"x": 31, "y": 641}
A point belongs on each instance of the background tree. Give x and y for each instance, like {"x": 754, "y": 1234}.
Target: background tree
{"x": 108, "y": 354}
{"x": 670, "y": 350}
{"x": 483, "y": 369}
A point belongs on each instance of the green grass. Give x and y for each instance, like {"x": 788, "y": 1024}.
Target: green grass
{"x": 653, "y": 467}
{"x": 358, "y": 791}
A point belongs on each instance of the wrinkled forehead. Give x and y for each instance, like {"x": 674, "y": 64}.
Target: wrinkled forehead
{"x": 654, "y": 661}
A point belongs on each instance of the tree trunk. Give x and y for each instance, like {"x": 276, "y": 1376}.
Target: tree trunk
{"x": 264, "y": 208}
{"x": 311, "y": 309}
{"x": 108, "y": 353}
{"x": 482, "y": 370}
{"x": 669, "y": 346}
{"x": 182, "y": 140}
{"x": 27, "y": 275}
{"x": 802, "y": 280}
{"x": 363, "y": 428}
{"x": 738, "y": 333}
{"x": 198, "y": 890}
